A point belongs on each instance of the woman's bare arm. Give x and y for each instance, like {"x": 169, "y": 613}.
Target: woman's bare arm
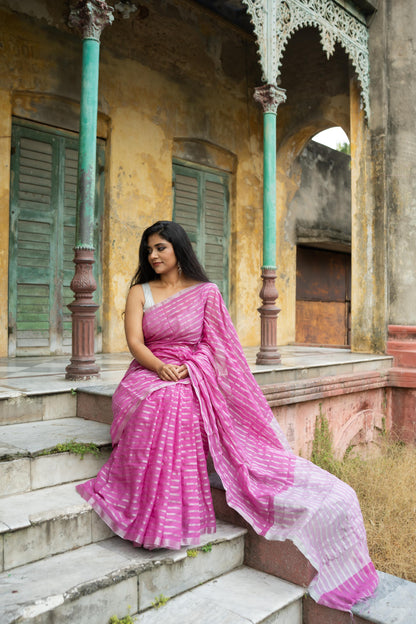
{"x": 134, "y": 334}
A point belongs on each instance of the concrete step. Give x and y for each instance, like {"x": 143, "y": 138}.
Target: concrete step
{"x": 17, "y": 406}
{"x": 91, "y": 583}
{"x": 44, "y": 522}
{"x": 243, "y": 596}
{"x": 26, "y": 464}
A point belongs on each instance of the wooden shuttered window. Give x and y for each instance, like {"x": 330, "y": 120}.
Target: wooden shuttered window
{"x": 201, "y": 207}
{"x": 42, "y": 238}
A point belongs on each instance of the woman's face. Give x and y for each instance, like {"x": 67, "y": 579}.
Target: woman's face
{"x": 161, "y": 256}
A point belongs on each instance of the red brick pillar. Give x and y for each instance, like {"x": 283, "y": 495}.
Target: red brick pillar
{"x": 401, "y": 345}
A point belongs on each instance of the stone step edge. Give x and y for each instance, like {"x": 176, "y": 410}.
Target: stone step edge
{"x": 120, "y": 573}
{"x": 10, "y": 455}
{"x": 49, "y": 434}
{"x": 17, "y": 407}
{"x": 50, "y": 515}
{"x": 293, "y": 594}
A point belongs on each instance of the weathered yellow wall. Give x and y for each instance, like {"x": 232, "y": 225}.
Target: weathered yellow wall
{"x": 5, "y": 137}
{"x": 140, "y": 184}
{"x": 149, "y": 99}
{"x": 168, "y": 76}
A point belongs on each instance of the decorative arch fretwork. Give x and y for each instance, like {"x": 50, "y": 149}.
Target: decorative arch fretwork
{"x": 275, "y": 21}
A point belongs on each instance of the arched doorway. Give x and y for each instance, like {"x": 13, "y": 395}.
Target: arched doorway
{"x": 322, "y": 214}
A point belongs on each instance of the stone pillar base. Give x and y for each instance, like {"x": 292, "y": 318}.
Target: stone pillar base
{"x": 401, "y": 345}
{"x": 83, "y": 310}
{"x": 268, "y": 353}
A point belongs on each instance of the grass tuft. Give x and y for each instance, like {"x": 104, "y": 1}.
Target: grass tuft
{"x": 71, "y": 446}
{"x": 159, "y": 601}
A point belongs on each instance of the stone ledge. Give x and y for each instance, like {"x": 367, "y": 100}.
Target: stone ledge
{"x": 315, "y": 389}
{"x": 401, "y": 344}
{"x": 399, "y": 377}
{"x": 393, "y": 602}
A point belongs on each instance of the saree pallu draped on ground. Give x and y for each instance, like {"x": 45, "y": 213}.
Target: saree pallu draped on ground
{"x": 154, "y": 490}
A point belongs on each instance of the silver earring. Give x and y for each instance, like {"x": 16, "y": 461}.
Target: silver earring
{"x": 179, "y": 268}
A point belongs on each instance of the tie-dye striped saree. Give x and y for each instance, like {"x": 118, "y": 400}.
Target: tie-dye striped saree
{"x": 154, "y": 490}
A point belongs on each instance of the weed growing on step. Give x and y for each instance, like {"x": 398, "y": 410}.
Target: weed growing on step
{"x": 206, "y": 547}
{"x": 159, "y": 601}
{"x": 127, "y": 619}
{"x": 77, "y": 448}
{"x": 192, "y": 552}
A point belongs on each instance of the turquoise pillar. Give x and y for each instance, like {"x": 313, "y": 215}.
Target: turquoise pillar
{"x": 89, "y": 17}
{"x": 269, "y": 97}
{"x": 87, "y": 144}
{"x": 269, "y": 191}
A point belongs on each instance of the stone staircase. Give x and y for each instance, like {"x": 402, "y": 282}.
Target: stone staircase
{"x": 60, "y": 564}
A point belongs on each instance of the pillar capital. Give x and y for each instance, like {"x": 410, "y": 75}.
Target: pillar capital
{"x": 90, "y": 17}
{"x": 269, "y": 96}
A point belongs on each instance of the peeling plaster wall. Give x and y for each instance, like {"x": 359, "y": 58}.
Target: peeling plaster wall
{"x": 320, "y": 213}
{"x": 5, "y": 139}
{"x": 172, "y": 71}
{"x": 185, "y": 77}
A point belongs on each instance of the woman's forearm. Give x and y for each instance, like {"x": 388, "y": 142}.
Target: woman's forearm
{"x": 145, "y": 357}
{"x": 166, "y": 372}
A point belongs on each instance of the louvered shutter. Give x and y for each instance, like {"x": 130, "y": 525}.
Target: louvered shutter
{"x": 215, "y": 256}
{"x": 186, "y": 204}
{"x": 32, "y": 233}
{"x": 42, "y": 239}
{"x": 201, "y": 207}
{"x": 69, "y": 228}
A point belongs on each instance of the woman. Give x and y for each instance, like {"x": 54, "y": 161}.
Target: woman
{"x": 189, "y": 391}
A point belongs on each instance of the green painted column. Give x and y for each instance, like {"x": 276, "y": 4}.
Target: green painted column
{"x": 87, "y": 144}
{"x": 269, "y": 96}
{"x": 89, "y": 17}
{"x": 269, "y": 190}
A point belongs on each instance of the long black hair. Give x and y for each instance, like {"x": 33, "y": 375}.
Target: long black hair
{"x": 182, "y": 247}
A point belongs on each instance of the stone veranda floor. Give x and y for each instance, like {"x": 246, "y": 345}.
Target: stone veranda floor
{"x": 46, "y": 374}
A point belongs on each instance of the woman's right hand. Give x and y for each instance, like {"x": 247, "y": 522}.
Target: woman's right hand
{"x": 169, "y": 372}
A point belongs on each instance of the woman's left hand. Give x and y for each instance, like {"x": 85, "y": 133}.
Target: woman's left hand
{"x": 182, "y": 371}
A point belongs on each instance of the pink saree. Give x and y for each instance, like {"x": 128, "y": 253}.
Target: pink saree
{"x": 154, "y": 490}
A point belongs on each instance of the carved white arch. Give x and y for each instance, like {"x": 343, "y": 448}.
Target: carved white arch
{"x": 275, "y": 21}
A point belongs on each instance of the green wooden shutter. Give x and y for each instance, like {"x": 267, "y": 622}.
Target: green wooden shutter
{"x": 201, "y": 206}
{"x": 32, "y": 232}
{"x": 186, "y": 204}
{"x": 216, "y": 241}
{"x": 69, "y": 225}
{"x": 42, "y": 238}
